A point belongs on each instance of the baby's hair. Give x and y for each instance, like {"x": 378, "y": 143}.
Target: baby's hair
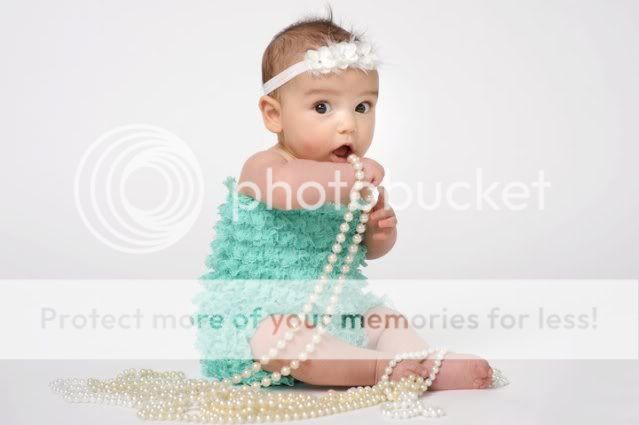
{"x": 307, "y": 33}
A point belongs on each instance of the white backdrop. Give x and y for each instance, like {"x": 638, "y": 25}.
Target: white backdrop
{"x": 510, "y": 88}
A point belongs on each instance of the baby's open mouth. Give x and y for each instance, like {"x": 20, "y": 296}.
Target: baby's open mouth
{"x": 341, "y": 154}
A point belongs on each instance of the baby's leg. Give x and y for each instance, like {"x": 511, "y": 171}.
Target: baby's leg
{"x": 334, "y": 362}
{"x": 394, "y": 334}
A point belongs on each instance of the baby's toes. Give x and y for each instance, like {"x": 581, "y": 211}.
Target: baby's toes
{"x": 482, "y": 373}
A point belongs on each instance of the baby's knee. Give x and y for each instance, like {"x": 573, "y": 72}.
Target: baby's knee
{"x": 387, "y": 317}
{"x": 263, "y": 341}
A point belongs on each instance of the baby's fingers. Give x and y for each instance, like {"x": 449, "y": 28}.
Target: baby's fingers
{"x": 388, "y": 222}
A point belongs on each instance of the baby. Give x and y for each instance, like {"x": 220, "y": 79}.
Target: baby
{"x": 319, "y": 121}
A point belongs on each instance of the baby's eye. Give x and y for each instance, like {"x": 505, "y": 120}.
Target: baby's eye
{"x": 321, "y": 107}
{"x": 358, "y": 109}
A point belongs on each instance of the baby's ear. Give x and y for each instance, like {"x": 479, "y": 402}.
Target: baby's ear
{"x": 271, "y": 113}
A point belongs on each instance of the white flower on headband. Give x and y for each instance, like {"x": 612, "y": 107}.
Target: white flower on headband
{"x": 331, "y": 57}
{"x": 340, "y": 55}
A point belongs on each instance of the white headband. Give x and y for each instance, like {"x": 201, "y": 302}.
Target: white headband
{"x": 329, "y": 58}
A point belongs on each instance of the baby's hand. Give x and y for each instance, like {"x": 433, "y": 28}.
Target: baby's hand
{"x": 373, "y": 171}
{"x": 381, "y": 218}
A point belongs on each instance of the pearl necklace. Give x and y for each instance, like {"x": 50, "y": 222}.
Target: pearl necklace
{"x": 171, "y": 396}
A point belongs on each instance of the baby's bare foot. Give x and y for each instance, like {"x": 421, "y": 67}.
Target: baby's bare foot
{"x": 460, "y": 371}
{"x": 402, "y": 369}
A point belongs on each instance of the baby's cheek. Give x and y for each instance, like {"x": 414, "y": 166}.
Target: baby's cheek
{"x": 314, "y": 145}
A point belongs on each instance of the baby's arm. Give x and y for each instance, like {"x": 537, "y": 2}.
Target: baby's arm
{"x": 293, "y": 174}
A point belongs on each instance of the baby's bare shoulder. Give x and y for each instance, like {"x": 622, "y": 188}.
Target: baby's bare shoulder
{"x": 255, "y": 167}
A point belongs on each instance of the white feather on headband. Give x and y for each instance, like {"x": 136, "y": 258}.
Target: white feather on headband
{"x": 330, "y": 58}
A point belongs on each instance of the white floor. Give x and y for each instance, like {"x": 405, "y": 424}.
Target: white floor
{"x": 548, "y": 392}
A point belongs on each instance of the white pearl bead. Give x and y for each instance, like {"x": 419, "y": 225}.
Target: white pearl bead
{"x": 344, "y": 227}
{"x": 285, "y": 371}
{"x": 294, "y": 364}
{"x": 348, "y": 216}
{"x": 281, "y": 344}
{"x": 272, "y": 352}
{"x": 303, "y": 356}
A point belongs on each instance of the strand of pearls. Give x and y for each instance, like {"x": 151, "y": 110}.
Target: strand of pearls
{"x": 355, "y": 197}
{"x": 172, "y": 396}
{"x": 408, "y": 404}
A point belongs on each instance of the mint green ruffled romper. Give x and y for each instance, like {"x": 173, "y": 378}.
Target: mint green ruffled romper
{"x": 259, "y": 262}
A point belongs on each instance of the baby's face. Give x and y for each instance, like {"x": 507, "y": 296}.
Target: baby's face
{"x": 320, "y": 114}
